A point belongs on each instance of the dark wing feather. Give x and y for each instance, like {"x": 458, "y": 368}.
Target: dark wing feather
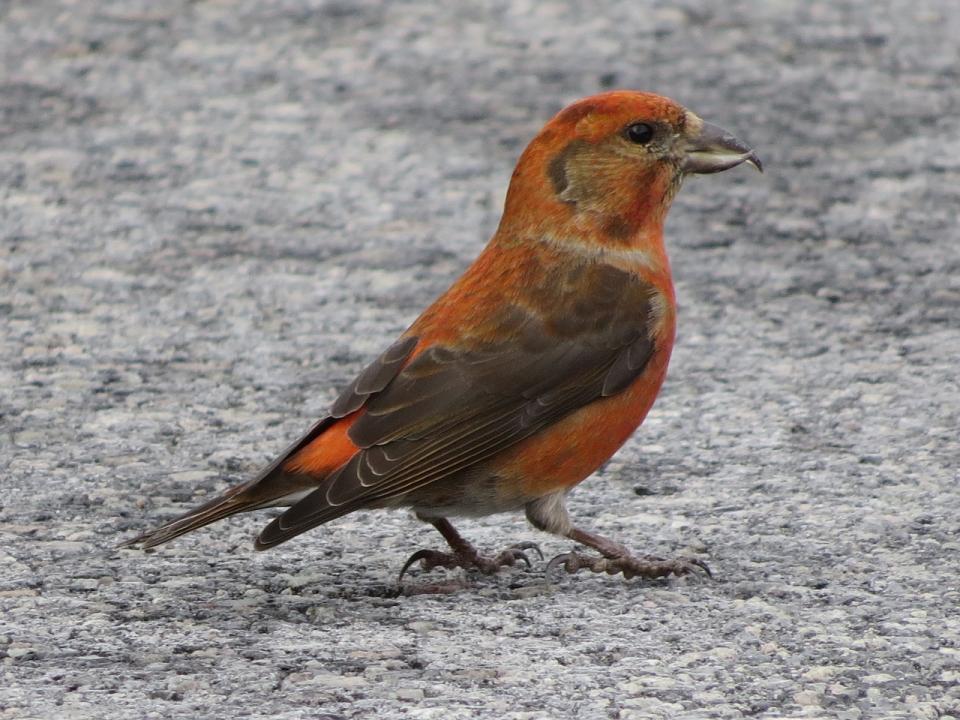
{"x": 374, "y": 377}
{"x": 450, "y": 409}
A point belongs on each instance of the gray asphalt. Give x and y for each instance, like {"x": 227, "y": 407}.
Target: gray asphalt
{"x": 214, "y": 213}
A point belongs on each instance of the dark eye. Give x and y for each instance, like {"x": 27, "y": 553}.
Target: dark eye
{"x": 639, "y": 133}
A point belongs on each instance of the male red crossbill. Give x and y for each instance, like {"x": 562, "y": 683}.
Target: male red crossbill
{"x": 532, "y": 369}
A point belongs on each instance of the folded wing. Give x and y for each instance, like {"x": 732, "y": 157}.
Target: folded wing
{"x": 453, "y": 407}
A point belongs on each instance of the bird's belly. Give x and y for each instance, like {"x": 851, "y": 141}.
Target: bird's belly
{"x": 475, "y": 492}
{"x": 562, "y": 455}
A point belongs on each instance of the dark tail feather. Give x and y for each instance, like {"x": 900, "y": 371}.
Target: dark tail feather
{"x": 230, "y": 503}
{"x": 268, "y": 488}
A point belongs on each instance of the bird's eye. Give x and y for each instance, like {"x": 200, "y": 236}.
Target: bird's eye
{"x": 639, "y": 133}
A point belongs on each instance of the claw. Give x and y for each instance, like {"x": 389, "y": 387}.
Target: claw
{"x": 528, "y": 546}
{"x": 556, "y": 562}
{"x": 418, "y": 555}
{"x": 509, "y": 557}
{"x": 702, "y": 565}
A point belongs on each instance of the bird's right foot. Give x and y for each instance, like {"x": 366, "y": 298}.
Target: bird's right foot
{"x": 628, "y": 565}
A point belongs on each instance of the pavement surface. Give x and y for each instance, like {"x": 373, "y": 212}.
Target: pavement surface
{"x": 214, "y": 213}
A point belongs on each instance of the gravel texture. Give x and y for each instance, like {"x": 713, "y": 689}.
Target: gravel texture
{"x": 214, "y": 213}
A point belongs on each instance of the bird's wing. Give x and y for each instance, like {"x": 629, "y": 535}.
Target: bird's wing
{"x": 452, "y": 407}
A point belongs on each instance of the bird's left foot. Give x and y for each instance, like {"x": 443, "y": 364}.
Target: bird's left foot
{"x": 468, "y": 558}
{"x": 629, "y": 566}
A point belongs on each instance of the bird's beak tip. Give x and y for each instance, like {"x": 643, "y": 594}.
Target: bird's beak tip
{"x": 754, "y": 159}
{"x": 714, "y": 150}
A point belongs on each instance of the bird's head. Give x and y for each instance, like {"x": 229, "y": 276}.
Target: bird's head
{"x": 609, "y": 165}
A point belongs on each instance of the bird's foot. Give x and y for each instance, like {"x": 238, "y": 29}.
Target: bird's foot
{"x": 646, "y": 566}
{"x": 469, "y": 559}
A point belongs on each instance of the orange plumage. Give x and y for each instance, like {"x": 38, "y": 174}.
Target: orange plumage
{"x": 532, "y": 368}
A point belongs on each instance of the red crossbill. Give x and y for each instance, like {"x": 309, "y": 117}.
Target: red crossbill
{"x": 532, "y": 369}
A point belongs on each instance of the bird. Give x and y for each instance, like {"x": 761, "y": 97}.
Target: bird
{"x": 530, "y": 371}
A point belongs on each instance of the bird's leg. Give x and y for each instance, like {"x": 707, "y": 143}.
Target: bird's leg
{"x": 549, "y": 513}
{"x": 464, "y": 554}
{"x": 617, "y": 559}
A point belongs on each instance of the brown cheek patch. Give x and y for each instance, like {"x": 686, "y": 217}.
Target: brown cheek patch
{"x": 557, "y": 172}
{"x": 561, "y": 171}
{"x": 618, "y": 228}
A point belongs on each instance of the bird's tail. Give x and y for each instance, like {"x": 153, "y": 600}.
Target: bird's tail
{"x": 229, "y": 503}
{"x": 271, "y": 487}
